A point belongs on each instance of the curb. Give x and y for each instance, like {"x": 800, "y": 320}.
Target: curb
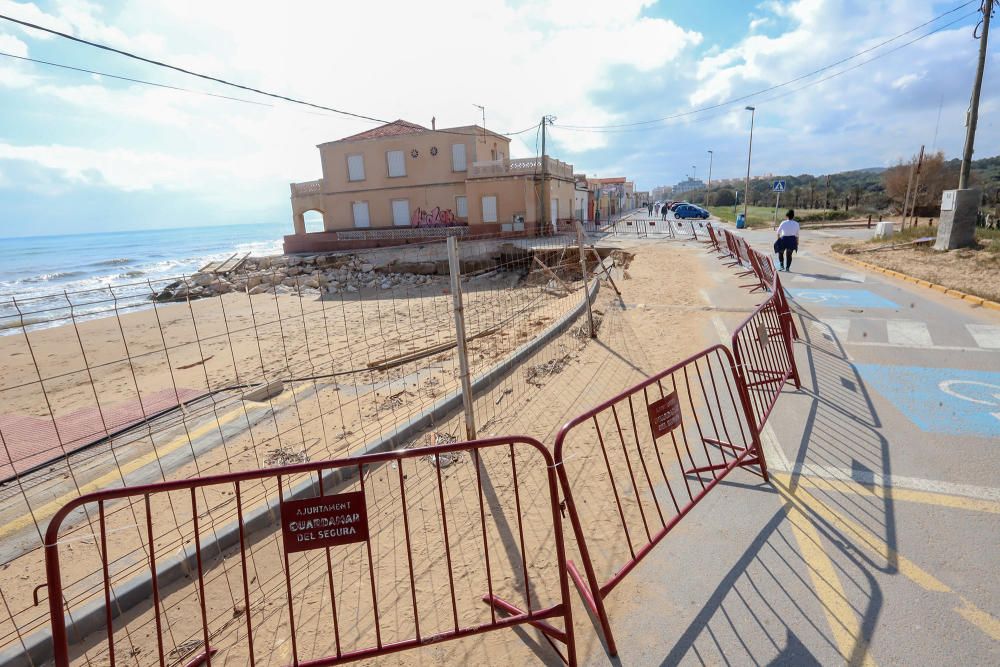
{"x": 37, "y": 647}
{"x": 947, "y": 291}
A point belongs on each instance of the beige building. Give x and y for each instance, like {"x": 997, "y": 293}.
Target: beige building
{"x": 402, "y": 175}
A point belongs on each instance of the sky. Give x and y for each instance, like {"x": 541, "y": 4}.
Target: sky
{"x": 81, "y": 152}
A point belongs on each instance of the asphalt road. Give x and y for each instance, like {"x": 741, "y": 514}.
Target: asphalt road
{"x": 877, "y": 540}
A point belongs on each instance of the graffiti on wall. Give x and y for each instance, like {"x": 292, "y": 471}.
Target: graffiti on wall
{"x": 436, "y": 217}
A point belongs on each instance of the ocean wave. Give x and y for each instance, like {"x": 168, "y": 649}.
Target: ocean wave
{"x": 116, "y": 261}
{"x": 49, "y": 277}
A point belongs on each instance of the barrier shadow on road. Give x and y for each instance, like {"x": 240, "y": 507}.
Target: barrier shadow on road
{"x": 802, "y": 592}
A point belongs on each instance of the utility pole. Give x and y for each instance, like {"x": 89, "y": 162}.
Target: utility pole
{"x": 746, "y": 194}
{"x": 960, "y": 208}
{"x": 970, "y": 133}
{"x": 916, "y": 189}
{"x": 546, "y": 120}
{"x": 710, "y": 156}
{"x": 906, "y": 197}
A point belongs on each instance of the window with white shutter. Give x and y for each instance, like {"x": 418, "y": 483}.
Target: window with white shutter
{"x": 458, "y": 157}
{"x": 489, "y": 209}
{"x": 361, "y": 214}
{"x": 355, "y": 167}
{"x": 401, "y": 212}
{"x": 461, "y": 207}
{"x": 397, "y": 163}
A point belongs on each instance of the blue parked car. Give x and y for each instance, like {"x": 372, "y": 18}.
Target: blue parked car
{"x": 686, "y": 211}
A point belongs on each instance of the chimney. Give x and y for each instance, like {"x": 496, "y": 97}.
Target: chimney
{"x": 433, "y": 123}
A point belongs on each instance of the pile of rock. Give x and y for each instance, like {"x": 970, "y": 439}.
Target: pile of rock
{"x": 314, "y": 274}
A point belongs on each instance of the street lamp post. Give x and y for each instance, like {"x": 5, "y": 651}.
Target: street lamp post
{"x": 746, "y": 193}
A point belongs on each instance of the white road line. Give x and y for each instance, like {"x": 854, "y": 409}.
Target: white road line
{"x": 853, "y": 277}
{"x": 773, "y": 454}
{"x": 986, "y": 335}
{"x": 778, "y": 462}
{"x": 929, "y": 348}
{"x": 894, "y": 481}
{"x": 909, "y": 333}
{"x": 804, "y": 279}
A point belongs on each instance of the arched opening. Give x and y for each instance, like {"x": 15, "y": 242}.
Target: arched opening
{"x": 313, "y": 220}
{"x": 308, "y": 220}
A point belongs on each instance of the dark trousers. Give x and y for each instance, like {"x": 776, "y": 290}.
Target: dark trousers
{"x": 785, "y": 257}
{"x": 785, "y": 246}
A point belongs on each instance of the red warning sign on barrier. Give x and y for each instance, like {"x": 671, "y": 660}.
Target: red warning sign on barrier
{"x": 326, "y": 521}
{"x": 664, "y": 415}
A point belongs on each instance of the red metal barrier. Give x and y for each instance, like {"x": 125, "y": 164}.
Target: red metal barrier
{"x": 743, "y": 255}
{"x": 765, "y": 269}
{"x": 713, "y": 239}
{"x": 759, "y": 270}
{"x": 358, "y": 573}
{"x": 732, "y": 248}
{"x": 765, "y": 360}
{"x": 645, "y": 458}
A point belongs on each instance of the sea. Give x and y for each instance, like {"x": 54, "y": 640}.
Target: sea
{"x": 46, "y": 280}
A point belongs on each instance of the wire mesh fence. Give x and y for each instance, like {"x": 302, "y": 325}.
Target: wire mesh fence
{"x": 293, "y": 360}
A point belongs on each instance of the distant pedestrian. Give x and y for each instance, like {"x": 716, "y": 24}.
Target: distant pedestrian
{"x": 665, "y": 211}
{"x": 650, "y": 207}
{"x": 788, "y": 241}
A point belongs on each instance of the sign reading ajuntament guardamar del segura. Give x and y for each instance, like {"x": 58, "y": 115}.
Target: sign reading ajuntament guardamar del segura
{"x": 325, "y": 521}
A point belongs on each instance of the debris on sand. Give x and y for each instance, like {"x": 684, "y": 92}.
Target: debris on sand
{"x": 582, "y": 332}
{"x": 285, "y": 457}
{"x": 435, "y": 438}
{"x": 533, "y": 375}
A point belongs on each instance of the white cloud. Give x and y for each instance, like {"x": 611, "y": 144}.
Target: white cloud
{"x": 387, "y": 59}
{"x": 905, "y": 80}
{"x": 578, "y": 59}
{"x": 11, "y": 44}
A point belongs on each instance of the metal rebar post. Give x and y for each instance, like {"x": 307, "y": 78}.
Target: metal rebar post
{"x": 586, "y": 283}
{"x": 455, "y": 270}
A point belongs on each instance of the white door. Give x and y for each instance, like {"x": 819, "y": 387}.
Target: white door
{"x": 361, "y": 214}
{"x": 554, "y": 216}
{"x": 400, "y": 212}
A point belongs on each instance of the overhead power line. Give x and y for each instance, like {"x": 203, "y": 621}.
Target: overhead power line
{"x": 742, "y": 98}
{"x": 207, "y": 77}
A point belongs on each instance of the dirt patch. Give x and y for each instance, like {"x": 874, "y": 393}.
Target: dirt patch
{"x": 974, "y": 270}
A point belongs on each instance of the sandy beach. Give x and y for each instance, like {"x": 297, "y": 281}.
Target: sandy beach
{"x": 213, "y": 344}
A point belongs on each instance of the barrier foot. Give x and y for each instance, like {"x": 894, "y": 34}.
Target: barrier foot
{"x": 755, "y": 461}
{"x": 595, "y": 608}
{"x": 546, "y": 628}
{"x": 201, "y": 658}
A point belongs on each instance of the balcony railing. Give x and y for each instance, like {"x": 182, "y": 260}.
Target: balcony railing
{"x": 307, "y": 188}
{"x": 521, "y": 167}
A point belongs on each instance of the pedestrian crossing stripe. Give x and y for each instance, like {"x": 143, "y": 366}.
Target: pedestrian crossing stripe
{"x": 907, "y": 333}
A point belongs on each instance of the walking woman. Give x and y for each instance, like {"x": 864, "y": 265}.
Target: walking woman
{"x": 788, "y": 241}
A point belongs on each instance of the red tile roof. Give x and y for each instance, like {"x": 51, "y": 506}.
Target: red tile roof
{"x": 393, "y": 129}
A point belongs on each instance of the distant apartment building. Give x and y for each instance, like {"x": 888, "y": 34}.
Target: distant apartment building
{"x": 689, "y": 185}
{"x": 662, "y": 192}
{"x": 396, "y": 180}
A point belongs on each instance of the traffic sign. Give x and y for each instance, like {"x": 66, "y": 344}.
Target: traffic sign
{"x": 778, "y": 186}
